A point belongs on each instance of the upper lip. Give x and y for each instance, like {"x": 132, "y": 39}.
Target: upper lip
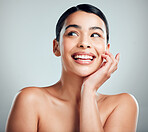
{"x": 84, "y": 53}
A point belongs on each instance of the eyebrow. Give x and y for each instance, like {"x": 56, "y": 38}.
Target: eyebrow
{"x": 77, "y": 26}
{"x": 73, "y": 25}
{"x": 94, "y": 28}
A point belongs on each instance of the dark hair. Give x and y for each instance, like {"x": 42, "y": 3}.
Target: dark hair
{"x": 82, "y": 7}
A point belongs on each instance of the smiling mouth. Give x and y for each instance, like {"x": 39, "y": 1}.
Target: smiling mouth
{"x": 83, "y": 58}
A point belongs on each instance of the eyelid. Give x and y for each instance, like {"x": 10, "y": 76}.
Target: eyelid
{"x": 96, "y": 33}
{"x": 72, "y": 32}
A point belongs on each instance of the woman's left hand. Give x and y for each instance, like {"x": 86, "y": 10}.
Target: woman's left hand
{"x": 95, "y": 80}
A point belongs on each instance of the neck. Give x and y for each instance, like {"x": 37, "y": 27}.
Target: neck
{"x": 70, "y": 86}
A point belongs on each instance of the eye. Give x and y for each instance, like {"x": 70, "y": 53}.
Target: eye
{"x": 95, "y": 35}
{"x": 72, "y": 34}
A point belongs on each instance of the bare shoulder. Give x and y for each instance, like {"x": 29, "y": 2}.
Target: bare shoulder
{"x": 35, "y": 95}
{"x": 25, "y": 107}
{"x": 127, "y": 99}
{"x": 121, "y": 99}
{"x": 123, "y": 112}
{"x": 30, "y": 91}
{"x": 128, "y": 103}
{"x": 29, "y": 95}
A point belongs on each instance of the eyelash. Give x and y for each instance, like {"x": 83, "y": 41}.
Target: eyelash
{"x": 70, "y": 34}
{"x": 96, "y": 34}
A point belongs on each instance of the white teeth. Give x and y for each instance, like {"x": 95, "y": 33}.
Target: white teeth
{"x": 83, "y": 57}
{"x": 85, "y": 60}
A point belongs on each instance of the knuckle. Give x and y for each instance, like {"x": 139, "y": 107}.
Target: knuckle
{"x": 108, "y": 57}
{"x": 116, "y": 63}
{"x": 108, "y": 75}
{"x": 116, "y": 68}
{"x": 111, "y": 62}
{"x": 105, "y": 73}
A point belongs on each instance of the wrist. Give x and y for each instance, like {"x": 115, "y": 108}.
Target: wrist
{"x": 88, "y": 90}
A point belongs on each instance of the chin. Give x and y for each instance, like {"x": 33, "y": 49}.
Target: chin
{"x": 84, "y": 72}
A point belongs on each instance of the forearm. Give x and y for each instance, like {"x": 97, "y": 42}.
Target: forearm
{"x": 89, "y": 113}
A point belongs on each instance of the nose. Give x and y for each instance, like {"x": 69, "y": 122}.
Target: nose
{"x": 84, "y": 44}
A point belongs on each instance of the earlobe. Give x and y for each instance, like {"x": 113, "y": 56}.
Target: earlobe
{"x": 108, "y": 47}
{"x": 56, "y": 49}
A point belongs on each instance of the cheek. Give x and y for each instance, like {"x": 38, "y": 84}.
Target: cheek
{"x": 65, "y": 48}
{"x": 99, "y": 44}
{"x": 100, "y": 48}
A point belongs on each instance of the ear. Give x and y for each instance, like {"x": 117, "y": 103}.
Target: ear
{"x": 56, "y": 49}
{"x": 108, "y": 47}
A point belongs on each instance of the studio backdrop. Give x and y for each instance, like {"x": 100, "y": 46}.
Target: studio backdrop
{"x": 27, "y": 29}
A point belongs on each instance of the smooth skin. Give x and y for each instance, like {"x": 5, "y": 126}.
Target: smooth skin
{"x": 72, "y": 104}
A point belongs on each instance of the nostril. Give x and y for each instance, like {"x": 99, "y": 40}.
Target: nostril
{"x": 84, "y": 46}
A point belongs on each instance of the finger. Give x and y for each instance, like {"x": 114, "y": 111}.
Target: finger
{"x": 115, "y": 64}
{"x": 108, "y": 63}
{"x": 103, "y": 64}
{"x": 110, "y": 54}
{"x": 114, "y": 61}
{"x": 113, "y": 68}
{"x": 117, "y": 57}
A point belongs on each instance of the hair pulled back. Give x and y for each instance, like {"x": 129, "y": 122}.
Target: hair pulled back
{"x": 82, "y": 7}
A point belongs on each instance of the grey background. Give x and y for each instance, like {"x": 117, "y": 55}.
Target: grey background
{"x": 27, "y": 28}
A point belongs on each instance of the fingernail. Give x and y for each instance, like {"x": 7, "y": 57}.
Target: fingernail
{"x": 106, "y": 51}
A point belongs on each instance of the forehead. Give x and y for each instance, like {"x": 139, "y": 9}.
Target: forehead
{"x": 84, "y": 19}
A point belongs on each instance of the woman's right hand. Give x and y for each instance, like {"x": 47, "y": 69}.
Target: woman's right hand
{"x": 95, "y": 80}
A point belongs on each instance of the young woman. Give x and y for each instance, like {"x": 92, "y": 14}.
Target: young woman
{"x": 72, "y": 104}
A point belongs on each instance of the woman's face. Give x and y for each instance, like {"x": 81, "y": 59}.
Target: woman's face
{"x": 82, "y": 41}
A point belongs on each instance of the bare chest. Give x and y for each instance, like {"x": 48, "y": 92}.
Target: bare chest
{"x": 59, "y": 119}
{"x": 65, "y": 119}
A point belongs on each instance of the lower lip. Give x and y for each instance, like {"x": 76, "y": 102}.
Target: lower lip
{"x": 84, "y": 62}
